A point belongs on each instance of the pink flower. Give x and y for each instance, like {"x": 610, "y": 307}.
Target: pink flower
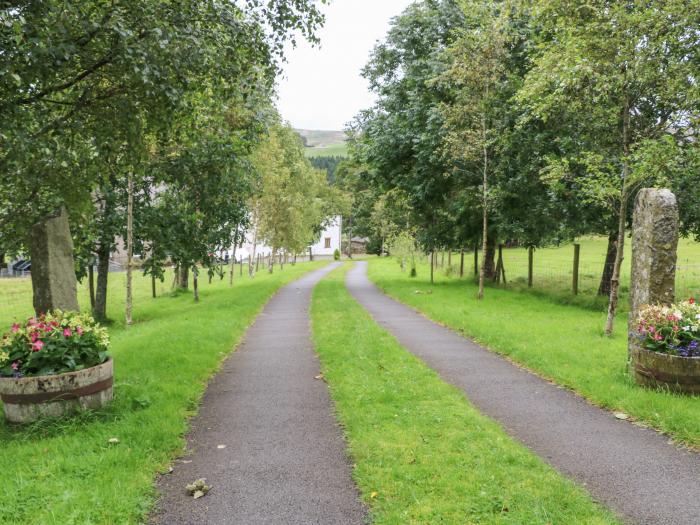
{"x": 15, "y": 365}
{"x": 67, "y": 332}
{"x": 79, "y": 330}
{"x": 34, "y": 337}
{"x": 38, "y": 345}
{"x": 691, "y": 300}
{"x": 652, "y": 329}
{"x": 658, "y": 337}
{"x": 15, "y": 328}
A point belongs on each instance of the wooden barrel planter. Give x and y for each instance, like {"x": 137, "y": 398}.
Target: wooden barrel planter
{"x": 27, "y": 399}
{"x": 656, "y": 370}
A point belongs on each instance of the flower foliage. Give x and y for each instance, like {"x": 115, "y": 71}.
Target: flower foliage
{"x": 53, "y": 343}
{"x": 673, "y": 330}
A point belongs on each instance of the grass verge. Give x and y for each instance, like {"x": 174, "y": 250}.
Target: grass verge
{"x": 422, "y": 453}
{"x": 65, "y": 471}
{"x": 562, "y": 343}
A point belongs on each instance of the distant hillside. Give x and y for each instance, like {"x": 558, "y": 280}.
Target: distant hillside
{"x": 321, "y": 138}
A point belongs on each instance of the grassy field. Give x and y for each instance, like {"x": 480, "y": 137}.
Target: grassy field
{"x": 422, "y": 453}
{"x": 65, "y": 471}
{"x": 564, "y": 343}
{"x": 16, "y": 295}
{"x": 332, "y": 150}
{"x": 553, "y": 270}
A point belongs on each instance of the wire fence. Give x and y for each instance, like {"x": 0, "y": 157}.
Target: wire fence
{"x": 558, "y": 276}
{"x": 16, "y": 291}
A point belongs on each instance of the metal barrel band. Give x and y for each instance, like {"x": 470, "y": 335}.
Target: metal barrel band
{"x": 48, "y": 397}
{"x": 665, "y": 377}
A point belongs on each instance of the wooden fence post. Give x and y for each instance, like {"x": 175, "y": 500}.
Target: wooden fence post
{"x": 432, "y": 266}
{"x": 530, "y": 257}
{"x": 577, "y": 254}
{"x": 461, "y": 263}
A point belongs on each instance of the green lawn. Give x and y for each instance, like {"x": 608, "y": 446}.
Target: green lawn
{"x": 332, "y": 150}
{"x": 422, "y": 453}
{"x": 65, "y": 471}
{"x": 553, "y": 270}
{"x": 563, "y": 343}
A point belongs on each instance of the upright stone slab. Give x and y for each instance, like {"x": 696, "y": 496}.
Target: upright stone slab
{"x": 53, "y": 271}
{"x": 654, "y": 244}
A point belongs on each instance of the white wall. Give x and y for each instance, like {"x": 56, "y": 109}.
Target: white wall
{"x": 332, "y": 232}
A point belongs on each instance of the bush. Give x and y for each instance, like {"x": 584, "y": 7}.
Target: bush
{"x": 53, "y": 343}
{"x": 336, "y": 254}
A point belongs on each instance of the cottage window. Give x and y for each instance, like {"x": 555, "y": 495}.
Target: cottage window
{"x": 328, "y": 242}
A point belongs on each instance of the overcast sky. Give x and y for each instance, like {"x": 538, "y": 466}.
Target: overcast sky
{"x": 322, "y": 87}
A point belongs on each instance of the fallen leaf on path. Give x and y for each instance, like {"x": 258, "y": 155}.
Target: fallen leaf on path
{"x": 374, "y": 495}
{"x": 221, "y": 446}
{"x": 198, "y": 488}
{"x": 320, "y": 376}
{"x": 621, "y": 415}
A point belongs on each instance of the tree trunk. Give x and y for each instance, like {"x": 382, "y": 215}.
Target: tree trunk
{"x": 54, "y": 284}
{"x": 432, "y": 267}
{"x": 604, "y": 287}
{"x": 129, "y": 248}
{"x": 271, "y": 262}
{"x": 91, "y": 284}
{"x": 100, "y": 309}
{"x": 489, "y": 259}
{"x": 461, "y": 263}
{"x": 153, "y": 285}
{"x": 233, "y": 260}
{"x": 184, "y": 277}
{"x": 622, "y": 220}
{"x": 615, "y": 280}
{"x": 195, "y": 283}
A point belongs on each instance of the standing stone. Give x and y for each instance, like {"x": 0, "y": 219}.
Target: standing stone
{"x": 53, "y": 272}
{"x": 654, "y": 244}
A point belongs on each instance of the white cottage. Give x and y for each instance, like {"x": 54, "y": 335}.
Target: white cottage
{"x": 330, "y": 239}
{"x": 328, "y": 242}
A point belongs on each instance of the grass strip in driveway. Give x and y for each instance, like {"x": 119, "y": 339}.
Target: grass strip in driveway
{"x": 422, "y": 453}
{"x": 65, "y": 471}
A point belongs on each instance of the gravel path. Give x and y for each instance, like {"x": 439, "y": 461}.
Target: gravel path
{"x": 265, "y": 437}
{"x": 633, "y": 470}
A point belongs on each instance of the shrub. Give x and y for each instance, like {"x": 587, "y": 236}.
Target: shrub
{"x": 53, "y": 343}
{"x": 336, "y": 254}
{"x": 673, "y": 330}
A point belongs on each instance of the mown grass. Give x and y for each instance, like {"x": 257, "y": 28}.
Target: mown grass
{"x": 65, "y": 471}
{"x": 553, "y": 271}
{"x": 563, "y": 343}
{"x": 422, "y": 453}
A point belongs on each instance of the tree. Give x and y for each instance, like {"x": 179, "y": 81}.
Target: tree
{"x": 292, "y": 200}
{"x": 399, "y": 141}
{"x": 622, "y": 72}
{"x": 64, "y": 63}
{"x": 478, "y": 77}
